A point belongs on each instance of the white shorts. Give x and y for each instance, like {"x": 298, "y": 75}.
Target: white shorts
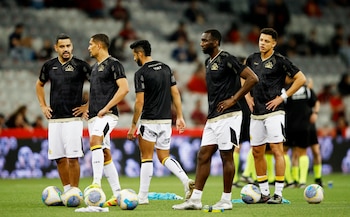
{"x": 157, "y": 131}
{"x": 268, "y": 130}
{"x": 103, "y": 127}
{"x": 223, "y": 131}
{"x": 65, "y": 138}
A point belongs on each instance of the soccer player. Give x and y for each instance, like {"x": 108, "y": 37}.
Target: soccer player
{"x": 67, "y": 75}
{"x": 268, "y": 117}
{"x": 108, "y": 87}
{"x": 223, "y": 126}
{"x": 156, "y": 89}
{"x": 301, "y": 115}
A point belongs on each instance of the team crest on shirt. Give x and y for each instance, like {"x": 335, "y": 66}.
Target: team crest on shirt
{"x": 268, "y": 65}
{"x": 214, "y": 66}
{"x": 69, "y": 68}
{"x": 101, "y": 68}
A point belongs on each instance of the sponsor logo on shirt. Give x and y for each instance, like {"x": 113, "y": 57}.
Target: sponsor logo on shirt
{"x": 214, "y": 66}
{"x": 69, "y": 68}
{"x": 269, "y": 65}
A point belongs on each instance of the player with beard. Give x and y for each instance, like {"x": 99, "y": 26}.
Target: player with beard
{"x": 223, "y": 126}
{"x": 67, "y": 75}
{"x": 267, "y": 125}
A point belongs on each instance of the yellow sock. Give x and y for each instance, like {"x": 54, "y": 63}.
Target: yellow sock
{"x": 236, "y": 162}
{"x": 295, "y": 173}
{"x": 288, "y": 172}
{"x": 303, "y": 168}
{"x": 318, "y": 171}
{"x": 270, "y": 168}
{"x": 249, "y": 170}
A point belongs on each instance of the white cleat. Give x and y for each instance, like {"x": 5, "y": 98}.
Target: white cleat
{"x": 189, "y": 204}
{"x": 143, "y": 200}
{"x": 223, "y": 204}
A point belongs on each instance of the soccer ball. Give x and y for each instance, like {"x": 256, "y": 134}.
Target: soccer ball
{"x": 94, "y": 197}
{"x": 250, "y": 194}
{"x": 73, "y": 197}
{"x": 313, "y": 194}
{"x": 127, "y": 199}
{"x": 51, "y": 196}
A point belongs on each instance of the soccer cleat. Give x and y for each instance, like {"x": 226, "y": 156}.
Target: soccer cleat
{"x": 246, "y": 179}
{"x": 319, "y": 182}
{"x": 290, "y": 185}
{"x": 143, "y": 200}
{"x": 111, "y": 202}
{"x": 236, "y": 185}
{"x": 222, "y": 204}
{"x": 301, "y": 185}
{"x": 190, "y": 204}
{"x": 264, "y": 198}
{"x": 189, "y": 189}
{"x": 276, "y": 199}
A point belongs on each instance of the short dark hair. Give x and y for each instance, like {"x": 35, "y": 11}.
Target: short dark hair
{"x": 270, "y": 31}
{"x": 143, "y": 46}
{"x": 103, "y": 38}
{"x": 19, "y": 25}
{"x": 215, "y": 34}
{"x": 62, "y": 36}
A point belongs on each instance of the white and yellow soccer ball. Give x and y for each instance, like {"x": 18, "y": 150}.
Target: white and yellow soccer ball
{"x": 51, "y": 196}
{"x": 73, "y": 197}
{"x": 94, "y": 197}
{"x": 313, "y": 194}
{"x": 127, "y": 199}
{"x": 250, "y": 194}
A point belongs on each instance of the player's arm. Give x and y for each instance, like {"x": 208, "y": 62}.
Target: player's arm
{"x": 118, "y": 96}
{"x": 248, "y": 97}
{"x": 138, "y": 107}
{"x": 250, "y": 80}
{"x": 40, "y": 93}
{"x": 180, "y": 122}
{"x": 315, "y": 110}
{"x": 297, "y": 81}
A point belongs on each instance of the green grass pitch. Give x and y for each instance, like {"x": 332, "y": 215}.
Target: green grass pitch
{"x": 22, "y": 198}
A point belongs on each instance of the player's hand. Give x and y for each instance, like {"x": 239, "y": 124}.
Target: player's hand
{"x": 102, "y": 112}
{"x": 272, "y": 105}
{"x": 85, "y": 115}
{"x": 131, "y": 133}
{"x": 223, "y": 105}
{"x": 313, "y": 118}
{"x": 180, "y": 125}
{"x": 78, "y": 111}
{"x": 46, "y": 111}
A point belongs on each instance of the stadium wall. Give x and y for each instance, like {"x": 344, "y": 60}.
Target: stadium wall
{"x": 23, "y": 154}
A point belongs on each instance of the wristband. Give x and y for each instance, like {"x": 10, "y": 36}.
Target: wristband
{"x": 284, "y": 96}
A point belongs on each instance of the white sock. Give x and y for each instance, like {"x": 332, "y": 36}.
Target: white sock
{"x": 279, "y": 188}
{"x": 146, "y": 174}
{"x": 264, "y": 188}
{"x": 97, "y": 165}
{"x": 66, "y": 188}
{"x": 112, "y": 176}
{"x": 196, "y": 194}
{"x": 175, "y": 167}
{"x": 226, "y": 196}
